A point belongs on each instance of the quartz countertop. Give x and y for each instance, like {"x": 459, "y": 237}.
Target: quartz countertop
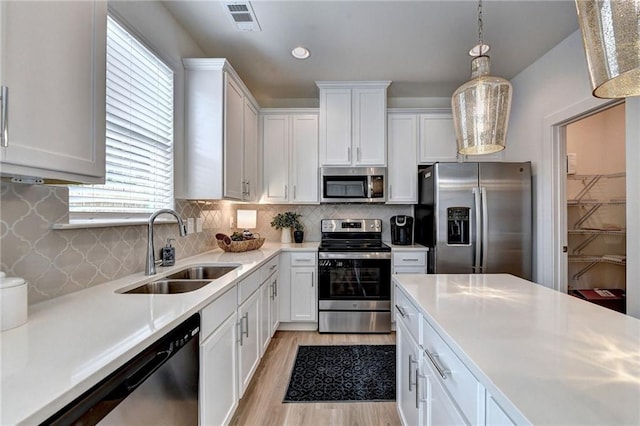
{"x": 72, "y": 342}
{"x": 410, "y": 247}
{"x": 545, "y": 357}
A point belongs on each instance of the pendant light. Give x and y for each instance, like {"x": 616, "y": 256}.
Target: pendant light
{"x": 481, "y": 106}
{"x": 611, "y": 35}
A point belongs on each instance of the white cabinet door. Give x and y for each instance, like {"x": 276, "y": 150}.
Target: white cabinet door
{"x": 439, "y": 409}
{"x": 275, "y": 131}
{"x": 369, "y": 126}
{"x": 304, "y": 305}
{"x": 407, "y": 369}
{"x": 250, "y": 153}
{"x": 437, "y": 138}
{"x": 335, "y": 127}
{"x": 249, "y": 340}
{"x": 402, "y": 168}
{"x": 234, "y": 134}
{"x": 218, "y": 374}
{"x": 53, "y": 63}
{"x": 265, "y": 322}
{"x": 304, "y": 159}
{"x": 274, "y": 304}
{"x": 495, "y": 415}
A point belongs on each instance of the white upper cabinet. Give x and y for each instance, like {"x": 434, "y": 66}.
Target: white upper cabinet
{"x": 437, "y": 138}
{"x": 353, "y": 123}
{"x": 52, "y": 64}
{"x": 221, "y": 133}
{"x": 402, "y": 176}
{"x": 290, "y": 156}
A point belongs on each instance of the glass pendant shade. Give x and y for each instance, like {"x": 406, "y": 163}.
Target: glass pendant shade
{"x": 481, "y": 110}
{"x": 611, "y": 36}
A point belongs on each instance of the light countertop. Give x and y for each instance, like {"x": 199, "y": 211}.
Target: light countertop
{"x": 411, "y": 247}
{"x": 71, "y": 342}
{"x": 546, "y": 357}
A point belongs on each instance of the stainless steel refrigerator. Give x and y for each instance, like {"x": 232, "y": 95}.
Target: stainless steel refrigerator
{"x": 476, "y": 217}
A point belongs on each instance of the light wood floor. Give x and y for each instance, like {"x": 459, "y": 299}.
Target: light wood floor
{"x": 262, "y": 402}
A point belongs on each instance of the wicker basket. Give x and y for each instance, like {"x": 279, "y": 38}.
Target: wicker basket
{"x": 240, "y": 246}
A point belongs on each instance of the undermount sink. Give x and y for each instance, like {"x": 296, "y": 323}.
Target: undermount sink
{"x": 201, "y": 273}
{"x": 183, "y": 281}
{"x": 168, "y": 287}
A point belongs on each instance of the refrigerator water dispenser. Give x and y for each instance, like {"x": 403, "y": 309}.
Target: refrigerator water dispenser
{"x": 458, "y": 226}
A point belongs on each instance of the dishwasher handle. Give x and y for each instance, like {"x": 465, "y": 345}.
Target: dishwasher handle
{"x": 148, "y": 368}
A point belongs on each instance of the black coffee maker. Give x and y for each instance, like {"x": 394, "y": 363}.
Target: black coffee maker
{"x": 402, "y": 230}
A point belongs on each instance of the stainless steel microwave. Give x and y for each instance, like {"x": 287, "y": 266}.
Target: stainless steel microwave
{"x": 352, "y": 184}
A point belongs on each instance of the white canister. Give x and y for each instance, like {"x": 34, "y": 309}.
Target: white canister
{"x": 13, "y": 302}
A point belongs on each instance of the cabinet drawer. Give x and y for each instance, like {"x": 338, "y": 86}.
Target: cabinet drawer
{"x": 463, "y": 387}
{"x": 269, "y": 268}
{"x": 409, "y": 269}
{"x": 248, "y": 286}
{"x": 407, "y": 313}
{"x": 215, "y": 313}
{"x": 410, "y": 258}
{"x": 303, "y": 259}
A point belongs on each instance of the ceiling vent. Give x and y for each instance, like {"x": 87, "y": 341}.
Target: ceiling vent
{"x": 242, "y": 15}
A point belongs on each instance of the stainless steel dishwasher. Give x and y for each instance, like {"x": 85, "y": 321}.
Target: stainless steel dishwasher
{"x": 159, "y": 386}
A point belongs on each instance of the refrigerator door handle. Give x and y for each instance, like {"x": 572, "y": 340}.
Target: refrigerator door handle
{"x": 485, "y": 231}
{"x": 477, "y": 257}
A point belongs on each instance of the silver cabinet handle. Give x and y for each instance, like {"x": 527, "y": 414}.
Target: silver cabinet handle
{"x": 434, "y": 360}
{"x": 312, "y": 278}
{"x": 271, "y": 291}
{"x": 240, "y": 331}
{"x": 272, "y": 267}
{"x": 286, "y": 192}
{"x": 245, "y": 317}
{"x": 4, "y": 116}
{"x": 390, "y": 191}
{"x": 411, "y": 362}
{"x": 248, "y": 189}
{"x": 294, "y": 192}
{"x": 358, "y": 153}
{"x": 275, "y": 288}
{"x": 349, "y": 153}
{"x": 410, "y": 260}
{"x": 401, "y": 311}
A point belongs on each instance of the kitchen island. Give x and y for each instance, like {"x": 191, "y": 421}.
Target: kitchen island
{"x": 541, "y": 356}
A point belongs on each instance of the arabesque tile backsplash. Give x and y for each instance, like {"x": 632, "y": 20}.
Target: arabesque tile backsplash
{"x": 56, "y": 262}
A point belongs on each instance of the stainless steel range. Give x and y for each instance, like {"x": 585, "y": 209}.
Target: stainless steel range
{"x": 354, "y": 277}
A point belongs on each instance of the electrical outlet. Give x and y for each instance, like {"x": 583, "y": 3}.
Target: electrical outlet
{"x": 199, "y": 222}
{"x": 190, "y": 225}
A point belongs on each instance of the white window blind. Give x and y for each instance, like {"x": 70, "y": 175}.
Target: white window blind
{"x": 139, "y": 137}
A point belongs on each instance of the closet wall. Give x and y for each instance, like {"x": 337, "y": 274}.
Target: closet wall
{"x": 596, "y": 204}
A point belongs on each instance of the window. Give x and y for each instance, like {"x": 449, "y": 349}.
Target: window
{"x": 139, "y": 137}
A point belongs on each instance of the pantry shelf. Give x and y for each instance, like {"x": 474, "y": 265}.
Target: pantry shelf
{"x": 595, "y": 260}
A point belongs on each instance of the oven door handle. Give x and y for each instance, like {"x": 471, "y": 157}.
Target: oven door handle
{"x": 354, "y": 255}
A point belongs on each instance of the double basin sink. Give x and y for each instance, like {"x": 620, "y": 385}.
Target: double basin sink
{"x": 183, "y": 281}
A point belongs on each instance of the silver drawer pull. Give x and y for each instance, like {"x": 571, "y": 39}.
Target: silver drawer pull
{"x": 302, "y": 260}
{"x": 271, "y": 268}
{"x": 402, "y": 312}
{"x": 441, "y": 371}
{"x": 410, "y": 260}
{"x": 418, "y": 399}
{"x": 411, "y": 362}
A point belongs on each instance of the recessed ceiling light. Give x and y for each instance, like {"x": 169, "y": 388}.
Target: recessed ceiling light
{"x": 479, "y": 50}
{"x": 300, "y": 53}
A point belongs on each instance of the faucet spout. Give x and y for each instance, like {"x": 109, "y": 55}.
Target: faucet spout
{"x": 150, "y": 265}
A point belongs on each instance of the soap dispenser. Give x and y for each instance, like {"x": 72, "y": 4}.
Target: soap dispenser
{"x": 168, "y": 254}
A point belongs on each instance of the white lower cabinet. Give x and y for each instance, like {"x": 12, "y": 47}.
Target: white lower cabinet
{"x": 265, "y": 324}
{"x": 410, "y": 408}
{"x": 298, "y": 290}
{"x": 274, "y": 304}
{"x": 218, "y": 360}
{"x": 304, "y": 294}
{"x": 219, "y": 389}
{"x": 495, "y": 416}
{"x": 249, "y": 330}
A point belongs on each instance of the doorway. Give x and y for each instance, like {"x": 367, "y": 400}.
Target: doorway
{"x": 595, "y": 192}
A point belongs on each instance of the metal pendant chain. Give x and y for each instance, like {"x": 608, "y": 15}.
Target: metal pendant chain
{"x": 480, "y": 41}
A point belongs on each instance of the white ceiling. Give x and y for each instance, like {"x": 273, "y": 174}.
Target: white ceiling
{"x": 421, "y": 46}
